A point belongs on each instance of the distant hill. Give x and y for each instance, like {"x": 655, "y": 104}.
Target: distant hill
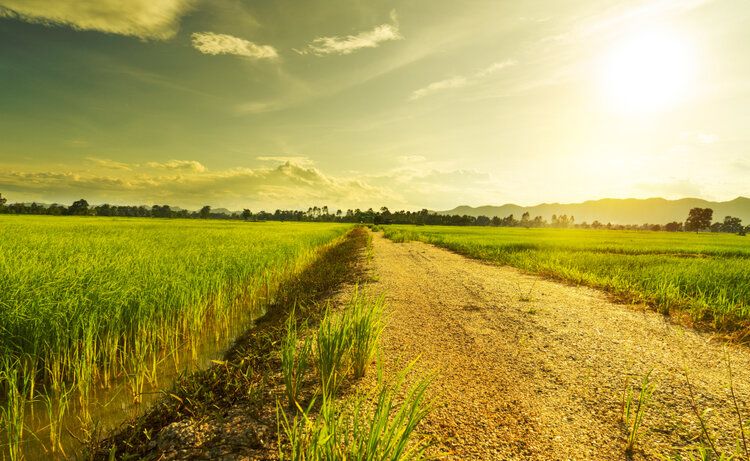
{"x": 617, "y": 211}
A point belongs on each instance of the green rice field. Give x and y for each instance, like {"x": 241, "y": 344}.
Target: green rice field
{"x": 87, "y": 303}
{"x": 706, "y": 275}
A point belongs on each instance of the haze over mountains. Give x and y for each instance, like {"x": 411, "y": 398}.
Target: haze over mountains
{"x": 617, "y": 211}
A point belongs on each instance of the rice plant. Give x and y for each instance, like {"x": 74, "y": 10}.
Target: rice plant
{"x": 102, "y": 302}
{"x": 366, "y": 319}
{"x": 634, "y": 408}
{"x": 295, "y": 360}
{"x": 333, "y": 343}
{"x": 377, "y": 426}
{"x": 16, "y": 385}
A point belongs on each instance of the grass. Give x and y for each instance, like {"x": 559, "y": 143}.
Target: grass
{"x": 707, "y": 449}
{"x": 347, "y": 341}
{"x": 366, "y": 326}
{"x": 379, "y": 426}
{"x": 703, "y": 275}
{"x": 241, "y": 377}
{"x": 295, "y": 360}
{"x": 634, "y": 408}
{"x": 333, "y": 343}
{"x": 375, "y": 425}
{"x": 89, "y": 302}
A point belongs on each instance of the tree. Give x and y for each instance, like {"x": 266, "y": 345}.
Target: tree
{"x": 483, "y": 221}
{"x": 732, "y": 225}
{"x": 246, "y": 214}
{"x": 163, "y": 211}
{"x": 526, "y": 219}
{"x": 205, "y": 212}
{"x": 3, "y": 200}
{"x": 79, "y": 207}
{"x": 674, "y": 226}
{"x": 699, "y": 219}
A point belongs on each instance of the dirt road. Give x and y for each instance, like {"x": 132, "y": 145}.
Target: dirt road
{"x": 533, "y": 369}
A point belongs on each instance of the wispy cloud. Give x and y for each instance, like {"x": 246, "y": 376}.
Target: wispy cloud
{"x": 146, "y": 19}
{"x": 215, "y": 44}
{"x": 348, "y": 44}
{"x": 110, "y": 164}
{"x": 434, "y": 87}
{"x": 298, "y": 160}
{"x": 460, "y": 81}
{"x": 189, "y": 165}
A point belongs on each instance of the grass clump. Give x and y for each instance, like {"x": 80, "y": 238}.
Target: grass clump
{"x": 634, "y": 408}
{"x": 334, "y": 341}
{"x": 347, "y": 340}
{"x": 707, "y": 449}
{"x": 366, "y": 315}
{"x": 295, "y": 360}
{"x": 377, "y": 426}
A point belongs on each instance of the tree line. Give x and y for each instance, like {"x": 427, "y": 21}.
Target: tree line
{"x": 699, "y": 219}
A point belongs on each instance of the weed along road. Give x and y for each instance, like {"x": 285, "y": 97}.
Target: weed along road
{"x": 527, "y": 368}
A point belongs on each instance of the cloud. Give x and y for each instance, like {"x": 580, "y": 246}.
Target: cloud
{"x": 215, "y": 44}
{"x": 145, "y": 19}
{"x": 427, "y": 185}
{"x": 110, "y": 164}
{"x": 346, "y": 45}
{"x": 189, "y": 165}
{"x": 288, "y": 185}
{"x": 298, "y": 160}
{"x": 460, "y": 81}
{"x": 434, "y": 87}
{"x": 409, "y": 159}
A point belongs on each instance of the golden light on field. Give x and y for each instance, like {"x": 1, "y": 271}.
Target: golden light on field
{"x": 647, "y": 71}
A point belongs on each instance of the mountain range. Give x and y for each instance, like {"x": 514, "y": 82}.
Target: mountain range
{"x": 617, "y": 211}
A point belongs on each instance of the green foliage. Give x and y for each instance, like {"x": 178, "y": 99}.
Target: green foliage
{"x": 634, "y": 408}
{"x": 366, "y": 315}
{"x": 699, "y": 219}
{"x": 333, "y": 341}
{"x": 87, "y": 302}
{"x": 703, "y": 274}
{"x": 295, "y": 360}
{"x": 369, "y": 427}
{"x": 706, "y": 448}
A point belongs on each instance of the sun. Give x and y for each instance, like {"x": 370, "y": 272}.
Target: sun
{"x": 648, "y": 71}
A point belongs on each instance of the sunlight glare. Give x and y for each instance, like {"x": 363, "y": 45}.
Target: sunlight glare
{"x": 649, "y": 71}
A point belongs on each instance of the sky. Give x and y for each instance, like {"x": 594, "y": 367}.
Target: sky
{"x": 266, "y": 104}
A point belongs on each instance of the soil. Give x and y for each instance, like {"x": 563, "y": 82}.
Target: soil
{"x": 527, "y": 368}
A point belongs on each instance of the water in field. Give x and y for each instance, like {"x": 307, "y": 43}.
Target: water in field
{"x": 110, "y": 407}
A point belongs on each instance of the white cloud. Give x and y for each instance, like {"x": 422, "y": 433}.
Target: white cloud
{"x": 410, "y": 159}
{"x": 351, "y": 43}
{"x": 434, "y": 87}
{"x": 146, "y": 19}
{"x": 495, "y": 67}
{"x": 298, "y": 160}
{"x": 288, "y": 185}
{"x": 460, "y": 81}
{"x": 110, "y": 164}
{"x": 214, "y": 44}
{"x": 189, "y": 165}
